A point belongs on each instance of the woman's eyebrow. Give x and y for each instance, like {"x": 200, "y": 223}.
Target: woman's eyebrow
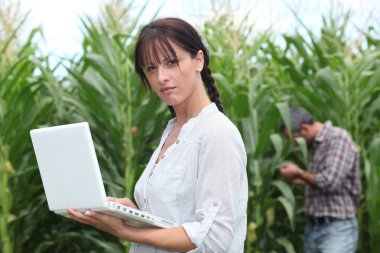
{"x": 170, "y": 57}
{"x": 153, "y": 60}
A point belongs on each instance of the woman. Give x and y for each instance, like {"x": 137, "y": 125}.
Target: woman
{"x": 197, "y": 175}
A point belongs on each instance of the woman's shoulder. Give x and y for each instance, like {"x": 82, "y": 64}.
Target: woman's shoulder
{"x": 220, "y": 133}
{"x": 219, "y": 124}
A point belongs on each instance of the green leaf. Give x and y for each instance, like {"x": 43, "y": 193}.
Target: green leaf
{"x": 303, "y": 146}
{"x": 278, "y": 144}
{"x": 286, "y": 191}
{"x": 288, "y": 246}
{"x": 284, "y": 110}
{"x": 289, "y": 208}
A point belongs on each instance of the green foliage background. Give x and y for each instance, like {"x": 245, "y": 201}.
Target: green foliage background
{"x": 258, "y": 79}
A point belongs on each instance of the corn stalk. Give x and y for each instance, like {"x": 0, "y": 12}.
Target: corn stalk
{"x": 5, "y": 199}
{"x": 335, "y": 81}
{"x": 109, "y": 95}
{"x": 258, "y": 79}
{"x": 248, "y": 100}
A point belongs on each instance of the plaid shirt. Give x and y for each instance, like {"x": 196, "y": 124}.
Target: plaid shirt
{"x": 335, "y": 161}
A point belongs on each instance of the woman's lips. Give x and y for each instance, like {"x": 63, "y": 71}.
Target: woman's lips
{"x": 167, "y": 90}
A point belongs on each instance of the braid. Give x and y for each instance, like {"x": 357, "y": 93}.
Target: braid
{"x": 172, "y": 112}
{"x": 211, "y": 87}
{"x": 212, "y": 90}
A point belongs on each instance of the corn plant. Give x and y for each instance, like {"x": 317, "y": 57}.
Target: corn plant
{"x": 335, "y": 81}
{"x": 109, "y": 95}
{"x": 258, "y": 79}
{"x": 372, "y": 175}
{"x": 250, "y": 101}
{"x": 125, "y": 119}
{"x": 24, "y": 104}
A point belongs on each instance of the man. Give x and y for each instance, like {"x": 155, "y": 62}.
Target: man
{"x": 332, "y": 184}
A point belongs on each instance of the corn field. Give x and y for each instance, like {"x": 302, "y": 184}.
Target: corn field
{"x": 259, "y": 79}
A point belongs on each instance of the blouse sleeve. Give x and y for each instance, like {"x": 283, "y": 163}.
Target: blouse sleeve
{"x": 222, "y": 168}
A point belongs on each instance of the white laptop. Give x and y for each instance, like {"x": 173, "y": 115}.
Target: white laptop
{"x": 71, "y": 176}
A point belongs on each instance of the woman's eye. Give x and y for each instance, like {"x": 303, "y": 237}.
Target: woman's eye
{"x": 149, "y": 68}
{"x": 172, "y": 62}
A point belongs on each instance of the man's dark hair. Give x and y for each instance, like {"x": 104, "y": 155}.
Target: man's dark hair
{"x": 298, "y": 116}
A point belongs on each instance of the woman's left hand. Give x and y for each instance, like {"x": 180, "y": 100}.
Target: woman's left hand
{"x": 112, "y": 225}
{"x": 172, "y": 239}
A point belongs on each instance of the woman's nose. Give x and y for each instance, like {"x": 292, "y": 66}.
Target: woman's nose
{"x": 162, "y": 75}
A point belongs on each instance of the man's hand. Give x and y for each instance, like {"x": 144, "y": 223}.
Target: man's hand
{"x": 299, "y": 182}
{"x": 290, "y": 172}
{"x": 297, "y": 176}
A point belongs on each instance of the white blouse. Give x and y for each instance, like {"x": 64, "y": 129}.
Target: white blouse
{"x": 200, "y": 183}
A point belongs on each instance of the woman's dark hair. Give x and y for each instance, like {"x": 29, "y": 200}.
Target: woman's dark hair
{"x": 157, "y": 35}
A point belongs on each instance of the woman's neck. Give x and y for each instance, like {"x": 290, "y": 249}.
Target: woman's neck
{"x": 184, "y": 113}
{"x": 182, "y": 118}
{"x": 192, "y": 106}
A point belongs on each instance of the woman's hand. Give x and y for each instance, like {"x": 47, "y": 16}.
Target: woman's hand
{"x": 123, "y": 201}
{"x": 112, "y": 225}
{"x": 172, "y": 239}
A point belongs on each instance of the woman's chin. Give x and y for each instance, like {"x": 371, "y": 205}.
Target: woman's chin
{"x": 171, "y": 103}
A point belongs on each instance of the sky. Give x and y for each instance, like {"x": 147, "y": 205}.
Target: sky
{"x": 60, "y": 21}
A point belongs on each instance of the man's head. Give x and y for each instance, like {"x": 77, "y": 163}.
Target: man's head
{"x": 303, "y": 125}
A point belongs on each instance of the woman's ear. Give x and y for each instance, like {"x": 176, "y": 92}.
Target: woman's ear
{"x": 199, "y": 61}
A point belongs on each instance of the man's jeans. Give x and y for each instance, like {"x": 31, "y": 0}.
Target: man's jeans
{"x": 337, "y": 236}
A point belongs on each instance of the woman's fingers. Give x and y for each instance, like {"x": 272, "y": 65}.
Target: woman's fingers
{"x": 91, "y": 218}
{"x": 82, "y": 218}
{"x": 101, "y": 221}
{"x": 123, "y": 201}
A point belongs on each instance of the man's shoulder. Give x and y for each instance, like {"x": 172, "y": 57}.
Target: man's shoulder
{"x": 339, "y": 134}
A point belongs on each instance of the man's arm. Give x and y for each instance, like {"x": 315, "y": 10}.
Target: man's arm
{"x": 308, "y": 177}
{"x": 298, "y": 176}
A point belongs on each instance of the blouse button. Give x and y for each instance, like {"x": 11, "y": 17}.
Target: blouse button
{"x": 177, "y": 142}
{"x": 163, "y": 156}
